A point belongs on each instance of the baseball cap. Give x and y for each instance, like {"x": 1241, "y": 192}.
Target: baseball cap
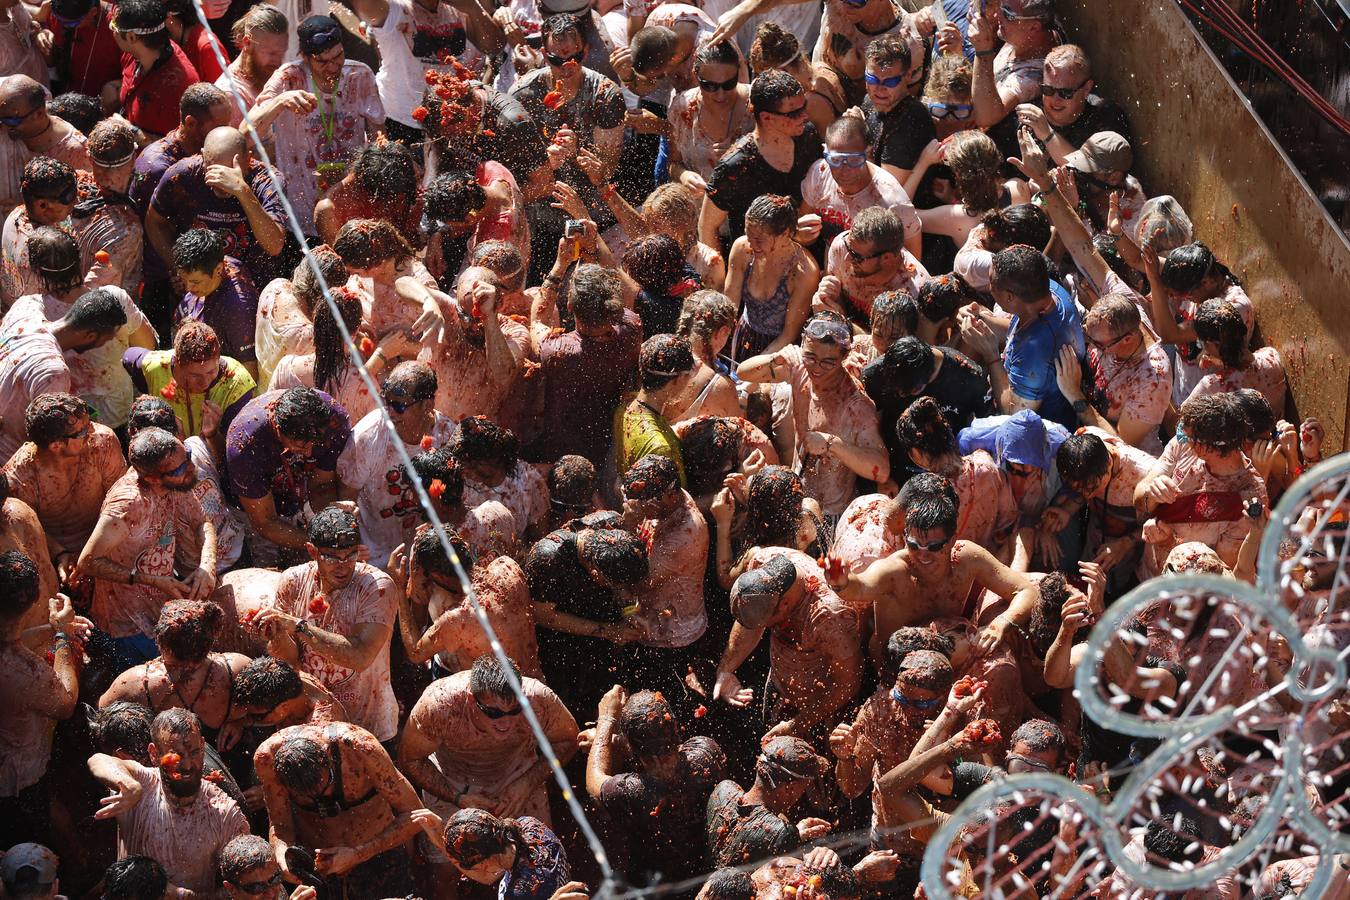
{"x": 756, "y": 594}
{"x": 790, "y": 758}
{"x": 25, "y": 864}
{"x": 318, "y": 33}
{"x": 1105, "y": 151}
{"x": 551, "y": 7}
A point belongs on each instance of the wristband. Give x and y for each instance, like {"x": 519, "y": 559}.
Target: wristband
{"x": 302, "y": 626}
{"x": 983, "y": 53}
{"x": 607, "y": 191}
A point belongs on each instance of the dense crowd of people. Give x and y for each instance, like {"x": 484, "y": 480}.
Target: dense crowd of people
{"x": 797, "y": 382}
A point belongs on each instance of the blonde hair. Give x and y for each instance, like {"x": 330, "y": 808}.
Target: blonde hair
{"x": 262, "y": 17}
{"x": 677, "y": 204}
{"x": 949, "y": 79}
{"x": 975, "y": 161}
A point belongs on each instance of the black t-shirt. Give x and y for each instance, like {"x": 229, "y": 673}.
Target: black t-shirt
{"x": 517, "y": 141}
{"x": 743, "y": 175}
{"x": 897, "y": 138}
{"x": 555, "y": 575}
{"x": 1100, "y": 114}
{"x": 729, "y": 819}
{"x": 961, "y": 389}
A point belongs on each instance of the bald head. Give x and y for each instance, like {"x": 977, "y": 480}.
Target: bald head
{"x": 22, "y": 89}
{"x": 473, "y": 274}
{"x": 223, "y": 145}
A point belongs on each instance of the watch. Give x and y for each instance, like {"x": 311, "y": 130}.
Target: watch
{"x": 302, "y": 626}
{"x": 1080, "y": 407}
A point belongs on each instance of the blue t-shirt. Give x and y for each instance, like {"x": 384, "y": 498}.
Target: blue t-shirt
{"x": 1031, "y": 351}
{"x": 540, "y": 870}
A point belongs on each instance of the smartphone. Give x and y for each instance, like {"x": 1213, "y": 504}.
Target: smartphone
{"x": 574, "y": 228}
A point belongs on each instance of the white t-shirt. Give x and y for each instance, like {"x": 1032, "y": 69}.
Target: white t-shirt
{"x": 389, "y": 510}
{"x": 31, "y": 365}
{"x": 821, "y": 191}
{"x": 411, "y": 42}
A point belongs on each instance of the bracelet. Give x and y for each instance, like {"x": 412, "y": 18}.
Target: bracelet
{"x": 983, "y": 53}
{"x": 60, "y": 637}
{"x": 1016, "y": 627}
{"x": 131, "y": 575}
{"x": 608, "y": 191}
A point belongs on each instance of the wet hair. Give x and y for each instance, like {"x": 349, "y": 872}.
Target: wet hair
{"x": 502, "y": 259}
{"x": 18, "y": 585}
{"x": 112, "y": 143}
{"x": 1214, "y": 421}
{"x": 453, "y": 197}
{"x": 722, "y": 53}
{"x": 150, "y": 448}
{"x": 488, "y": 678}
{"x": 898, "y": 309}
{"x": 46, "y": 178}
{"x": 770, "y": 89}
{"x": 431, "y": 556}
{"x": 334, "y": 528}
{"x": 711, "y": 450}
{"x": 889, "y": 50}
{"x": 174, "y": 722}
{"x": 364, "y": 243}
{"x": 151, "y": 412}
{"x": 473, "y": 835}
{"x": 331, "y": 358}
{"x": 1117, "y": 312}
{"x": 880, "y": 227}
{"x": 922, "y": 426}
{"x": 648, "y": 725}
{"x": 1067, "y": 56}
{"x": 81, "y": 110}
{"x": 838, "y": 881}
{"x": 940, "y": 298}
{"x": 571, "y": 482}
{"x": 730, "y": 884}
{"x": 934, "y": 512}
{"x": 1023, "y": 223}
{"x": 773, "y": 507}
{"x": 440, "y": 465}
{"x": 266, "y": 683}
{"x": 301, "y": 414}
{"x": 1163, "y": 216}
{"x": 773, "y": 47}
{"x": 949, "y": 79}
{"x": 1174, "y": 838}
{"x": 387, "y": 172}
{"x": 652, "y": 47}
{"x": 650, "y": 477}
{"x": 1040, "y": 736}
{"x": 135, "y": 878}
{"x": 199, "y": 250}
{"x": 558, "y": 26}
{"x": 122, "y": 727}
{"x": 305, "y": 285}
{"x": 1219, "y": 322}
{"x": 54, "y": 254}
{"x": 195, "y": 342}
{"x": 99, "y": 311}
{"x": 596, "y": 295}
{"x": 263, "y": 17}
{"x": 49, "y": 416}
{"x": 1047, "y": 613}
{"x": 678, "y": 204}
{"x": 655, "y": 262}
{"x": 845, "y": 129}
{"x": 975, "y": 162}
{"x": 300, "y": 764}
{"x": 1021, "y": 271}
{"x": 927, "y": 670}
{"x": 908, "y": 363}
{"x": 479, "y": 439}
{"x": 188, "y": 628}
{"x": 243, "y": 854}
{"x": 139, "y": 14}
{"x": 704, "y": 312}
{"x": 1082, "y": 460}
{"x": 773, "y": 212}
{"x": 198, "y": 100}
{"x": 1256, "y": 410}
{"x": 619, "y": 557}
{"x": 662, "y": 359}
{"x": 913, "y": 638}
{"x": 1190, "y": 264}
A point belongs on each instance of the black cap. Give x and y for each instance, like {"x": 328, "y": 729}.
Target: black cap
{"x": 318, "y": 33}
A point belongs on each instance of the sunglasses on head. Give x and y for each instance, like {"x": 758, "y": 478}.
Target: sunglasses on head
{"x": 931, "y": 547}
{"x": 1061, "y": 93}
{"x": 493, "y": 713}
{"x": 836, "y": 159}
{"x": 714, "y": 86}
{"x": 258, "y": 887}
{"x": 900, "y": 698}
{"x": 561, "y": 61}
{"x": 893, "y": 82}
{"x": 959, "y": 111}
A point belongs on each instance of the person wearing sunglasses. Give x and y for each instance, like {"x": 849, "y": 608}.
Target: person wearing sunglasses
{"x": 485, "y": 754}
{"x": 709, "y": 117}
{"x": 946, "y": 94}
{"x": 898, "y": 125}
{"x": 340, "y": 812}
{"x": 1200, "y": 487}
{"x": 1068, "y": 112}
{"x": 35, "y": 132}
{"x": 845, "y": 183}
{"x": 49, "y": 191}
{"x": 773, "y": 159}
{"x": 249, "y": 871}
{"x": 865, "y": 261}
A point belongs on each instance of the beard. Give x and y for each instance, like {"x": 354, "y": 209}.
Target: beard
{"x": 254, "y": 72}
{"x": 182, "y": 487}
{"x": 183, "y": 787}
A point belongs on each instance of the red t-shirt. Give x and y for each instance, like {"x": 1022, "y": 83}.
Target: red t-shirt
{"x": 94, "y": 56}
{"x": 150, "y": 98}
{"x": 196, "y": 46}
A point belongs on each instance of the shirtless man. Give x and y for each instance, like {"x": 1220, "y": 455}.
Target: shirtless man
{"x": 130, "y": 555}
{"x": 186, "y": 674}
{"x": 35, "y": 695}
{"x": 467, "y": 745}
{"x": 934, "y": 577}
{"x": 873, "y": 525}
{"x": 168, "y": 811}
{"x": 815, "y": 657}
{"x": 436, "y": 618}
{"x": 63, "y": 472}
{"x": 333, "y": 791}
{"x": 332, "y": 618}
{"x": 270, "y": 692}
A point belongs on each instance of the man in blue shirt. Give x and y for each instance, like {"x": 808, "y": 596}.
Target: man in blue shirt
{"x": 1044, "y": 319}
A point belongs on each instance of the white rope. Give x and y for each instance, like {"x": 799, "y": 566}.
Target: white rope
{"x": 545, "y": 747}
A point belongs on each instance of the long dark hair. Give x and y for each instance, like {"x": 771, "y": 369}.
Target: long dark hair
{"x": 473, "y": 835}
{"x": 330, "y": 352}
{"x": 773, "y": 508}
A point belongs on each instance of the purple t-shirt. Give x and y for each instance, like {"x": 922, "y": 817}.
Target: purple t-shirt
{"x": 231, "y": 310}
{"x": 258, "y": 465}
{"x": 151, "y": 164}
{"x": 184, "y": 199}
